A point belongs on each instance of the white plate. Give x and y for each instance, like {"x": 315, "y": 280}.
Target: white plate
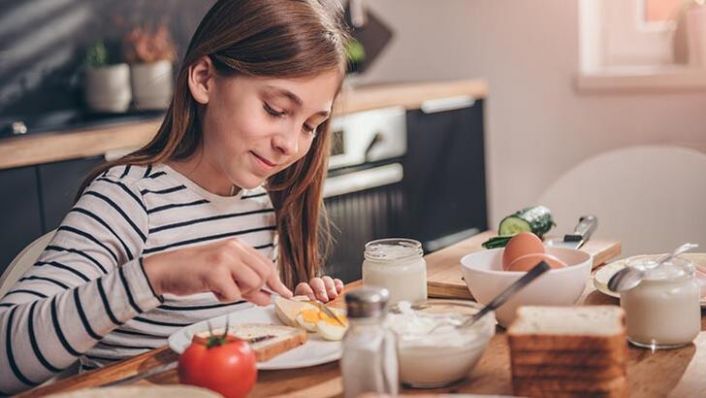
{"x": 602, "y": 276}
{"x": 315, "y": 351}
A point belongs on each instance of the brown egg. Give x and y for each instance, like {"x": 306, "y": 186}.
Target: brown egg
{"x": 521, "y": 244}
{"x": 526, "y": 262}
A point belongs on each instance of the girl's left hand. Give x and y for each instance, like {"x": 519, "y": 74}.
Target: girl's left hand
{"x": 323, "y": 289}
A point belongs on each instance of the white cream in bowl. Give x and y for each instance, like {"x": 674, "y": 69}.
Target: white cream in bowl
{"x": 445, "y": 355}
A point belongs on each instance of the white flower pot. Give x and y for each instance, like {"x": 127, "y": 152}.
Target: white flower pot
{"x": 107, "y": 88}
{"x": 152, "y": 85}
{"x": 696, "y": 35}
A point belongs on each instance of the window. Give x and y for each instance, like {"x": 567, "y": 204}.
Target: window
{"x": 643, "y": 41}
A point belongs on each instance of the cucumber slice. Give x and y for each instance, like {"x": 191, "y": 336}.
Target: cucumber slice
{"x": 537, "y": 219}
{"x": 513, "y": 225}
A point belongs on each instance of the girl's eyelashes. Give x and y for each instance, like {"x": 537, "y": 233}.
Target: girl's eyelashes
{"x": 273, "y": 112}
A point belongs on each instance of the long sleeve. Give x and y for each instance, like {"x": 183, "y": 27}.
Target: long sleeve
{"x": 87, "y": 282}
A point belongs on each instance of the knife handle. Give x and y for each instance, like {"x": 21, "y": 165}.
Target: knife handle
{"x": 583, "y": 230}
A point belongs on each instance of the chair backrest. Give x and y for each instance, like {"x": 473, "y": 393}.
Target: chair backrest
{"x": 652, "y": 198}
{"x": 21, "y": 263}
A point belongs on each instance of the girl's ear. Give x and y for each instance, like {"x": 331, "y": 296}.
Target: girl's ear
{"x": 201, "y": 76}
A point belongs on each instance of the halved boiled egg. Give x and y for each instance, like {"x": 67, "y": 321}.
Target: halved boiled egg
{"x": 331, "y": 331}
{"x": 308, "y": 318}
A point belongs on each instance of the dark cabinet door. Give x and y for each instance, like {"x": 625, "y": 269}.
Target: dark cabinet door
{"x": 444, "y": 171}
{"x": 20, "y": 219}
{"x": 58, "y": 184}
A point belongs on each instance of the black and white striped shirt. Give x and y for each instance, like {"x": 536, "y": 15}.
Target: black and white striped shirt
{"x": 88, "y": 297}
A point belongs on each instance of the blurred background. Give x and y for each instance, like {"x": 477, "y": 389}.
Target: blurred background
{"x": 590, "y": 106}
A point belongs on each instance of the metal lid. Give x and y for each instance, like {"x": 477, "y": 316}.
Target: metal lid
{"x": 367, "y": 302}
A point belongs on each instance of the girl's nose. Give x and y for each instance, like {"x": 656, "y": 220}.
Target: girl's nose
{"x": 287, "y": 143}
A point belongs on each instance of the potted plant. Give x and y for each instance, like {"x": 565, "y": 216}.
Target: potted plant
{"x": 151, "y": 54}
{"x": 107, "y": 85}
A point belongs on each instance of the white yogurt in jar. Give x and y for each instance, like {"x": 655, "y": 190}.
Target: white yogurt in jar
{"x": 431, "y": 351}
{"x": 398, "y": 266}
{"x": 663, "y": 311}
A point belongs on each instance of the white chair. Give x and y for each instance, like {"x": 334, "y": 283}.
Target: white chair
{"x": 652, "y": 198}
{"x": 23, "y": 261}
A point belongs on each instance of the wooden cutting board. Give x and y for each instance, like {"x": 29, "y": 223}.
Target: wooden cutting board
{"x": 444, "y": 266}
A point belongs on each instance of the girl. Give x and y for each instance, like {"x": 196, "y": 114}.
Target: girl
{"x": 225, "y": 200}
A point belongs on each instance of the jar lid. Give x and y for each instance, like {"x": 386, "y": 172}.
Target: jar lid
{"x": 366, "y": 302}
{"x": 392, "y": 249}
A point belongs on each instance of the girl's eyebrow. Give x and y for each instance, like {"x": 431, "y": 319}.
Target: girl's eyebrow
{"x": 294, "y": 98}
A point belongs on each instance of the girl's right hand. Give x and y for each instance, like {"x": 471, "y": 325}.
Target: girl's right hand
{"x": 230, "y": 269}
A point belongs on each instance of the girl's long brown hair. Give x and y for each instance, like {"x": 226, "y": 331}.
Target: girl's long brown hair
{"x": 266, "y": 38}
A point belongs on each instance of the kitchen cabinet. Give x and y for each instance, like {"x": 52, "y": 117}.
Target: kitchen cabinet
{"x": 444, "y": 184}
{"x": 58, "y": 183}
{"x": 19, "y": 211}
{"x": 35, "y": 199}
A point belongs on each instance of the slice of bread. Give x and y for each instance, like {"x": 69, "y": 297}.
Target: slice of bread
{"x": 569, "y": 358}
{"x": 283, "y": 338}
{"x": 550, "y": 387}
{"x": 577, "y": 328}
{"x": 577, "y": 371}
{"x": 287, "y": 310}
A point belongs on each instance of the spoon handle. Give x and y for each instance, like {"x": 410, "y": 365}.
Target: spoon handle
{"x": 501, "y": 298}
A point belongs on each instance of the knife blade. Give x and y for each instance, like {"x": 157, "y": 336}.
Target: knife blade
{"x": 580, "y": 235}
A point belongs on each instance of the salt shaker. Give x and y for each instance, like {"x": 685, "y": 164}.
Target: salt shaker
{"x": 369, "y": 360}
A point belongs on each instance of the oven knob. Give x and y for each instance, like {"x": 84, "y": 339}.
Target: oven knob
{"x": 18, "y": 128}
{"x": 377, "y": 139}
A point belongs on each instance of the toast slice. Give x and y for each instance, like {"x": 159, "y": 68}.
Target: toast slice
{"x": 276, "y": 339}
{"x": 550, "y": 387}
{"x": 594, "y": 373}
{"x": 577, "y": 328}
{"x": 569, "y": 358}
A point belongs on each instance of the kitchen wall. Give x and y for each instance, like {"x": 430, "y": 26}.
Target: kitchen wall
{"x": 43, "y": 44}
{"x": 538, "y": 126}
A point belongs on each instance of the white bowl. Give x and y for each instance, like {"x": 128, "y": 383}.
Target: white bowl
{"x": 441, "y": 358}
{"x": 485, "y": 279}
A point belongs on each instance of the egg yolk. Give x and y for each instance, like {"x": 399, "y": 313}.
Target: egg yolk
{"x": 315, "y": 315}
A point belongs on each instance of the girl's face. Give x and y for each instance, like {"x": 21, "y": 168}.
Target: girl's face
{"x": 255, "y": 127}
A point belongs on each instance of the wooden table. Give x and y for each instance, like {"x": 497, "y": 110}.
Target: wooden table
{"x": 675, "y": 373}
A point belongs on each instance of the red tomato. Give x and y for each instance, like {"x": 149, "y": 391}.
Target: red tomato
{"x": 226, "y": 365}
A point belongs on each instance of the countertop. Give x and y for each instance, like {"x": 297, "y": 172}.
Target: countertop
{"x": 72, "y": 144}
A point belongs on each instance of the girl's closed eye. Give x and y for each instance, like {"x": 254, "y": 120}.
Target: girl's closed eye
{"x": 309, "y": 130}
{"x": 272, "y": 111}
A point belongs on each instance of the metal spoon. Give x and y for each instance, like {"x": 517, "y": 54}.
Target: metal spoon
{"x": 629, "y": 277}
{"x": 501, "y": 298}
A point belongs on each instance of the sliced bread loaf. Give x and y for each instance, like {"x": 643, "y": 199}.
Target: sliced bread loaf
{"x": 551, "y": 387}
{"x": 592, "y": 373}
{"x": 569, "y": 358}
{"x": 577, "y": 328}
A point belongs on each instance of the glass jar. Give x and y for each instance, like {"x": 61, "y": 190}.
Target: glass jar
{"x": 663, "y": 311}
{"x": 398, "y": 266}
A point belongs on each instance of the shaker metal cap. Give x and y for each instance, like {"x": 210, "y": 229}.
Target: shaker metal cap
{"x": 366, "y": 302}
